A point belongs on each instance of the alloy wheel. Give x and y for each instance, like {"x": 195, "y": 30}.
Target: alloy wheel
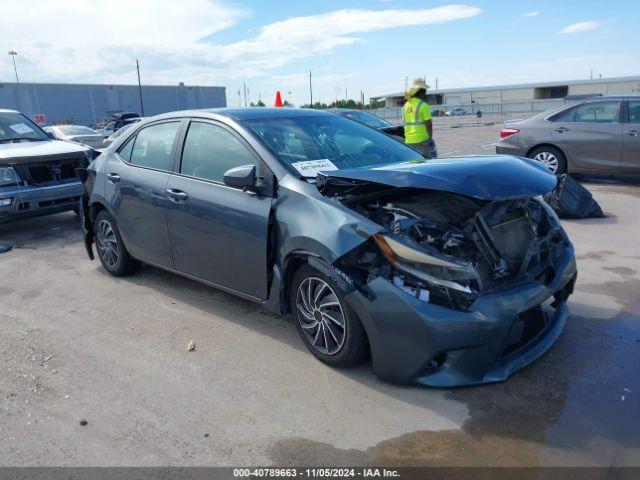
{"x": 107, "y": 243}
{"x": 549, "y": 160}
{"x": 320, "y": 315}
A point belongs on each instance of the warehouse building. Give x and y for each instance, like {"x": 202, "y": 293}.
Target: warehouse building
{"x": 51, "y": 103}
{"x": 516, "y": 98}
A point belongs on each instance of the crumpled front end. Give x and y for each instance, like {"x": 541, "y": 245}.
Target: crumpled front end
{"x": 457, "y": 290}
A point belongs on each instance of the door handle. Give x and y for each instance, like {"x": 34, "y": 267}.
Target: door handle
{"x": 113, "y": 177}
{"x": 561, "y": 129}
{"x": 176, "y": 195}
{"x": 633, "y": 133}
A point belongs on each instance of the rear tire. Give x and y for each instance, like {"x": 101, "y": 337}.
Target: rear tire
{"x": 111, "y": 250}
{"x": 550, "y": 157}
{"x": 319, "y": 308}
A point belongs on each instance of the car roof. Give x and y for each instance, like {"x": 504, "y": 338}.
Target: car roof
{"x": 609, "y": 97}
{"x": 240, "y": 114}
{"x": 8, "y": 110}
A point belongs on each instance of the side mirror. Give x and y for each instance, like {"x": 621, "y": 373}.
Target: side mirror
{"x": 241, "y": 177}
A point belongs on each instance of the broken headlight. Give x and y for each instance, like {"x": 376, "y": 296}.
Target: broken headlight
{"x": 449, "y": 282}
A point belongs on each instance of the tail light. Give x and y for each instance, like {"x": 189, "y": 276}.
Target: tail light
{"x": 507, "y": 132}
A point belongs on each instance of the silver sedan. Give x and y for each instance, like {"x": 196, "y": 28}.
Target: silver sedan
{"x": 76, "y": 133}
{"x": 600, "y": 134}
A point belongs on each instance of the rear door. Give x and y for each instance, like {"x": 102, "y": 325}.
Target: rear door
{"x": 219, "y": 233}
{"x": 631, "y": 137}
{"x": 136, "y": 179}
{"x": 590, "y": 134}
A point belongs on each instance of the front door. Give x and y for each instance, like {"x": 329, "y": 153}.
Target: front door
{"x": 591, "y": 135}
{"x": 631, "y": 138}
{"x": 135, "y": 187}
{"x": 218, "y": 233}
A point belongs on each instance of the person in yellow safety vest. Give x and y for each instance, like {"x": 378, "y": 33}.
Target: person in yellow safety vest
{"x": 416, "y": 113}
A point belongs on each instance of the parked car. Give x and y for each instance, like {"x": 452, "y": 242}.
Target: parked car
{"x": 449, "y": 272}
{"x": 371, "y": 120}
{"x": 37, "y": 173}
{"x": 455, "y": 112}
{"x": 114, "y": 136}
{"x": 75, "y": 133}
{"x": 112, "y": 127}
{"x": 600, "y": 135}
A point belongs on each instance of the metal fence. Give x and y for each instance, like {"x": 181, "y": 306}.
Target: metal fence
{"x": 394, "y": 115}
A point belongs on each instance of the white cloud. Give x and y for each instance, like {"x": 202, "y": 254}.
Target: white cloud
{"x": 581, "y": 27}
{"x": 98, "y": 41}
{"x": 530, "y": 14}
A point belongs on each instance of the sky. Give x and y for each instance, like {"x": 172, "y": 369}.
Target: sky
{"x": 350, "y": 46}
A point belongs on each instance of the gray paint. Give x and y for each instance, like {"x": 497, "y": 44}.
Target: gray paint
{"x": 586, "y": 146}
{"x": 86, "y": 104}
{"x": 227, "y": 251}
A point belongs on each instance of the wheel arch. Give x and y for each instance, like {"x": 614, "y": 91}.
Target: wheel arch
{"x": 548, "y": 144}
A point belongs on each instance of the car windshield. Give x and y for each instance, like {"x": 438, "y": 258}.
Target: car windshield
{"x": 75, "y": 130}
{"x": 366, "y": 118}
{"x": 15, "y": 127}
{"x": 328, "y": 142}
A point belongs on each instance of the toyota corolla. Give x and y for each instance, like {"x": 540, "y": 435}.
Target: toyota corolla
{"x": 446, "y": 272}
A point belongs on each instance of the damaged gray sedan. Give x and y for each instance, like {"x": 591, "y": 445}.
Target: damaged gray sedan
{"x": 448, "y": 272}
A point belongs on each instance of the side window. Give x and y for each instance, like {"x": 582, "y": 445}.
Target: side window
{"x": 153, "y": 144}
{"x": 634, "y": 112}
{"x": 209, "y": 151}
{"x": 126, "y": 149}
{"x": 565, "y": 116}
{"x": 599, "y": 112}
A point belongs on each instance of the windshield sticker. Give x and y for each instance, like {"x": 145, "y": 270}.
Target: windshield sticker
{"x": 20, "y": 128}
{"x": 310, "y": 168}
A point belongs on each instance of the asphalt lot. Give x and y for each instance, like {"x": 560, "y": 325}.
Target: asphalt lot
{"x": 78, "y": 344}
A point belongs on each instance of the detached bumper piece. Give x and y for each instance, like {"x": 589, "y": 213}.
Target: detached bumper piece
{"x": 500, "y": 333}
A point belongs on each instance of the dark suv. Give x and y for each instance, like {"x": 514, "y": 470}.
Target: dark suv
{"x": 37, "y": 173}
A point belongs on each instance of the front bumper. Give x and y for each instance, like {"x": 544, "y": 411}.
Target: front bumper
{"x": 33, "y": 201}
{"x": 414, "y": 341}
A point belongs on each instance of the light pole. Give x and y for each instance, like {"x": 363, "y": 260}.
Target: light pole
{"x": 13, "y": 54}
{"x": 140, "y": 89}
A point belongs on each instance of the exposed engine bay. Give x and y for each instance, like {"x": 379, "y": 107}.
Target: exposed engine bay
{"x": 447, "y": 249}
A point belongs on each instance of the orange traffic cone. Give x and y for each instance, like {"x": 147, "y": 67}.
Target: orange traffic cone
{"x": 278, "y": 99}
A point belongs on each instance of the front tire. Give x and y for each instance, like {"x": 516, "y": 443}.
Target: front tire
{"x": 550, "y": 157}
{"x": 111, "y": 250}
{"x": 329, "y": 328}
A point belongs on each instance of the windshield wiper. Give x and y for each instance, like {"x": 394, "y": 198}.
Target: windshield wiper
{"x": 12, "y": 140}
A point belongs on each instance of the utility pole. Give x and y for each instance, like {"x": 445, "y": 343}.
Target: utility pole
{"x": 244, "y": 88}
{"x": 436, "y": 83}
{"x": 13, "y": 54}
{"x": 406, "y": 84}
{"x": 310, "y": 89}
{"x": 239, "y": 98}
{"x": 346, "y": 95}
{"x": 140, "y": 89}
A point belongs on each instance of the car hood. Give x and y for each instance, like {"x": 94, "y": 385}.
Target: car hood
{"x": 12, "y": 153}
{"x": 494, "y": 177}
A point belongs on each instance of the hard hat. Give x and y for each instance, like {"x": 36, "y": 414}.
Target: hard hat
{"x": 418, "y": 84}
